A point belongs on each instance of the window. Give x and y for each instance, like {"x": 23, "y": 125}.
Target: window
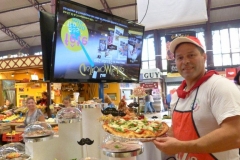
{"x": 226, "y": 47}
{"x": 14, "y": 56}
{"x": 4, "y": 57}
{"x": 148, "y": 54}
{"x": 38, "y": 53}
{"x": 164, "y": 53}
{"x": 199, "y": 35}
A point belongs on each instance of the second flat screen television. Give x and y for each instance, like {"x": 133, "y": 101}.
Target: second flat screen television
{"x": 94, "y": 46}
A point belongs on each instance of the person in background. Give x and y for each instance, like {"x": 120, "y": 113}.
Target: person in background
{"x": 168, "y": 101}
{"x": 122, "y": 106}
{"x": 151, "y": 102}
{"x": 237, "y": 80}
{"x": 67, "y": 102}
{"x": 147, "y": 104}
{"x": 52, "y": 93}
{"x": 7, "y": 105}
{"x": 44, "y": 102}
{"x": 205, "y": 109}
{"x": 108, "y": 100}
{"x": 33, "y": 114}
{"x": 123, "y": 95}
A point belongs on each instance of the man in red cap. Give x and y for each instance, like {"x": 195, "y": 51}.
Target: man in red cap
{"x": 206, "y": 109}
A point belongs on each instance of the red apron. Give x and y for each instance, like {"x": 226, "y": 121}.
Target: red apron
{"x": 184, "y": 129}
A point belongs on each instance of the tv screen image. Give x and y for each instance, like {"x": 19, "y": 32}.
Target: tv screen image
{"x": 94, "y": 46}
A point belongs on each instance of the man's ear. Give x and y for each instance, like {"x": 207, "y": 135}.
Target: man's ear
{"x": 205, "y": 56}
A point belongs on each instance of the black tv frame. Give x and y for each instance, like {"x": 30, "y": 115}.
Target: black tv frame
{"x": 47, "y": 22}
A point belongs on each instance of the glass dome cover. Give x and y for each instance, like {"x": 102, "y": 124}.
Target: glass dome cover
{"x": 13, "y": 151}
{"x": 116, "y": 144}
{"x": 38, "y": 130}
{"x": 69, "y": 115}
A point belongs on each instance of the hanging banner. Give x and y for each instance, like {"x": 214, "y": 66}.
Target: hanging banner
{"x": 171, "y": 65}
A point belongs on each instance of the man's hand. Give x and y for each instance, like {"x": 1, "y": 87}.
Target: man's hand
{"x": 168, "y": 145}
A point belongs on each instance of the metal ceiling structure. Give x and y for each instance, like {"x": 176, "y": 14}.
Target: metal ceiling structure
{"x": 106, "y": 7}
{"x": 36, "y": 5}
{"x": 19, "y": 21}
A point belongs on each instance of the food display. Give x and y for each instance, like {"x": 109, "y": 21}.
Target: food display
{"x": 8, "y": 112}
{"x": 97, "y": 100}
{"x": 50, "y": 120}
{"x": 118, "y": 147}
{"x": 38, "y": 130}
{"x": 21, "y": 110}
{"x": 11, "y": 118}
{"x": 2, "y": 116}
{"x": 134, "y": 128}
{"x": 55, "y": 129}
{"x": 91, "y": 104}
{"x": 19, "y": 120}
{"x": 12, "y": 133}
{"x": 69, "y": 115}
{"x": 41, "y": 107}
{"x": 13, "y": 151}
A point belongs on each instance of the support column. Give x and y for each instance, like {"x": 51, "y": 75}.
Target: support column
{"x": 157, "y": 46}
{"x": 208, "y": 40}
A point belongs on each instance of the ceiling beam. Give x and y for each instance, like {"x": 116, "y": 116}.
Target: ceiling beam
{"x": 15, "y": 9}
{"x": 53, "y": 4}
{"x": 123, "y": 6}
{"x": 223, "y": 7}
{"x": 23, "y": 24}
{"x": 21, "y": 42}
{"x": 31, "y": 50}
{"x": 106, "y": 6}
{"x": 21, "y": 38}
{"x": 37, "y": 5}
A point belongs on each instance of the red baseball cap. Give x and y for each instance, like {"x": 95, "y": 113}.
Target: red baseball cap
{"x": 187, "y": 39}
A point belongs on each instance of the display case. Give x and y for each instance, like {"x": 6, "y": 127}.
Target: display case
{"x": 13, "y": 151}
{"x": 38, "y": 131}
{"x": 69, "y": 115}
{"x": 117, "y": 147}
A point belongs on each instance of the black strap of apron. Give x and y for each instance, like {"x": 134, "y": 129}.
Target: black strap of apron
{"x": 192, "y": 107}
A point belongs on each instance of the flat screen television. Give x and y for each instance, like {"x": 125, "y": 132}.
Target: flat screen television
{"x": 47, "y": 21}
{"x": 94, "y": 46}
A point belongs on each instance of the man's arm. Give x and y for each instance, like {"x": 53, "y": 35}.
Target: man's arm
{"x": 225, "y": 138}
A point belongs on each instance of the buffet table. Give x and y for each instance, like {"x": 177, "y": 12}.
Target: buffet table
{"x": 65, "y": 146}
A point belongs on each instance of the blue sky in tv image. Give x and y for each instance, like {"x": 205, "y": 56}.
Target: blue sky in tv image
{"x": 83, "y": 43}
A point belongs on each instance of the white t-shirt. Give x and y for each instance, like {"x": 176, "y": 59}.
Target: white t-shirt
{"x": 217, "y": 99}
{"x": 238, "y": 86}
{"x": 151, "y": 98}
